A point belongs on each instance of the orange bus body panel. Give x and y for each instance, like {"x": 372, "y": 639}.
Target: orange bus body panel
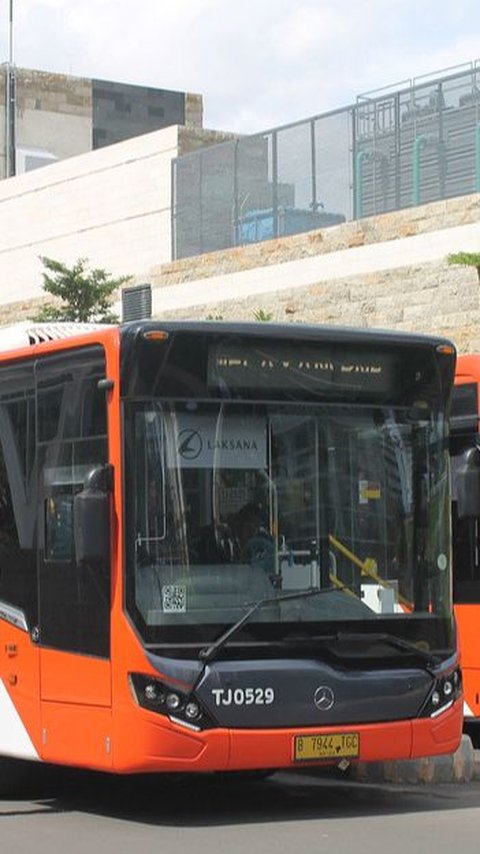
{"x": 76, "y": 735}
{"x": 468, "y": 368}
{"x": 468, "y": 615}
{"x": 157, "y": 746}
{"x": 378, "y": 742}
{"x": 468, "y": 621}
{"x": 74, "y": 678}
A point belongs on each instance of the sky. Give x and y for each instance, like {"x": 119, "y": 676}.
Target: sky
{"x": 257, "y": 63}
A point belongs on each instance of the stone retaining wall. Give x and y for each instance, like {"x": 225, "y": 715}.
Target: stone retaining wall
{"x": 428, "y": 295}
{"x": 388, "y": 271}
{"x": 435, "y": 216}
{"x": 434, "y": 298}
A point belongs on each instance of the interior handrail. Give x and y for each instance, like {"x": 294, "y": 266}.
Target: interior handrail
{"x": 341, "y": 586}
{"x": 367, "y": 567}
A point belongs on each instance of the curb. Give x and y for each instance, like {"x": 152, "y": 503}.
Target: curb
{"x": 463, "y": 766}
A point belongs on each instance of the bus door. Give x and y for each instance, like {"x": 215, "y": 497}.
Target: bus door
{"x": 465, "y": 458}
{"x": 19, "y": 657}
{"x": 466, "y": 590}
{"x": 74, "y": 599}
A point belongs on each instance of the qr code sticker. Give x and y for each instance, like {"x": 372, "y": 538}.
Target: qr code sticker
{"x": 174, "y": 598}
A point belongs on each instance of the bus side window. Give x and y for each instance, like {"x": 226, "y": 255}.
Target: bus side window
{"x": 71, "y": 443}
{"x": 18, "y": 490}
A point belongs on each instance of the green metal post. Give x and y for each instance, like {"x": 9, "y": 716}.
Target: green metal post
{"x": 418, "y": 145}
{"x": 358, "y": 196}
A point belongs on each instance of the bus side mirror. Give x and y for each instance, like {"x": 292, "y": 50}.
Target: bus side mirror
{"x": 467, "y": 483}
{"x": 91, "y": 518}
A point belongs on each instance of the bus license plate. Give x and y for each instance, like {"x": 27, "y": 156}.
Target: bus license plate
{"x": 338, "y": 745}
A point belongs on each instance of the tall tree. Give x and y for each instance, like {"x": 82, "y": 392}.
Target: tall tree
{"x": 86, "y": 294}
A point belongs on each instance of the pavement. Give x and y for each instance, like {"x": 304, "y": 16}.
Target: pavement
{"x": 463, "y": 766}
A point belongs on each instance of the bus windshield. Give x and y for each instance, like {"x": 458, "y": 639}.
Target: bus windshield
{"x": 231, "y": 502}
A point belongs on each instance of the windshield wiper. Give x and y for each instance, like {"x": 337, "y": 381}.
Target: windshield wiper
{"x": 208, "y": 652}
{"x": 428, "y": 658}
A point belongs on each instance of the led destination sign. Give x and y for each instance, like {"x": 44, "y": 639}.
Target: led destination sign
{"x": 277, "y": 366}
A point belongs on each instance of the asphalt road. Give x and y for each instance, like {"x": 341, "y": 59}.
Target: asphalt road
{"x": 74, "y": 812}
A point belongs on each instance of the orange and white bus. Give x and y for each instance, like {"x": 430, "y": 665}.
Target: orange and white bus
{"x": 225, "y": 547}
{"x": 465, "y": 450}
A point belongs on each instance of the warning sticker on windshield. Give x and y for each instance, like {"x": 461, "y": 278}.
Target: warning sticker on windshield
{"x": 174, "y": 598}
{"x": 368, "y": 491}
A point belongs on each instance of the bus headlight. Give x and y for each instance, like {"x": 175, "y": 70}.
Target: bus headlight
{"x": 447, "y": 688}
{"x": 192, "y": 711}
{"x": 152, "y": 694}
{"x": 445, "y": 691}
{"x": 173, "y": 702}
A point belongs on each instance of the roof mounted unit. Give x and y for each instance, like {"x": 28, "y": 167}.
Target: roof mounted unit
{"x": 137, "y": 303}
{"x": 27, "y": 334}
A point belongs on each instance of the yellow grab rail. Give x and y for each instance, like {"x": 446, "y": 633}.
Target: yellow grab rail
{"x": 366, "y": 567}
{"x": 341, "y": 586}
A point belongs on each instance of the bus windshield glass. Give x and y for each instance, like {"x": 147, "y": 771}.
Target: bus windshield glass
{"x": 233, "y": 501}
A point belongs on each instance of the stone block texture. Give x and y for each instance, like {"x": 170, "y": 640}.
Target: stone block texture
{"x": 389, "y": 271}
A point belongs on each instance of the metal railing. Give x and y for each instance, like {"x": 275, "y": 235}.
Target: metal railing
{"x": 390, "y": 150}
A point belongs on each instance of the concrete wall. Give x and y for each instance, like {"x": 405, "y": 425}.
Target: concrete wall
{"x": 53, "y": 113}
{"x": 65, "y": 116}
{"x": 193, "y": 109}
{"x": 111, "y": 206}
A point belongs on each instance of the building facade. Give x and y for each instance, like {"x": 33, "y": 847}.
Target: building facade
{"x": 48, "y": 117}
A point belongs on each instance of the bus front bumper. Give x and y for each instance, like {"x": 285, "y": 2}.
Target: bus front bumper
{"x": 159, "y": 745}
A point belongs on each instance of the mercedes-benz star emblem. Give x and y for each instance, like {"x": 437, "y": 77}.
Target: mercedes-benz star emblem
{"x": 324, "y": 698}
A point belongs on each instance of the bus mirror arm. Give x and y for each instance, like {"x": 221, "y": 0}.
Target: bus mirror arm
{"x": 91, "y": 518}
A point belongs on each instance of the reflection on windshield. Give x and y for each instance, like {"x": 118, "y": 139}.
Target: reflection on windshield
{"x": 234, "y": 502}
